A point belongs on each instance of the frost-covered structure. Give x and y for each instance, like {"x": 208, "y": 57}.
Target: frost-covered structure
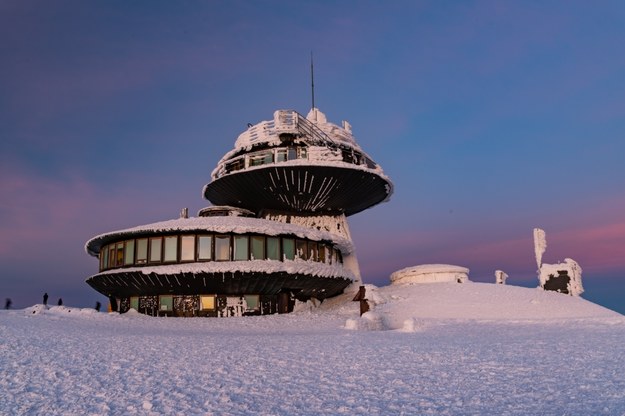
{"x": 500, "y": 277}
{"x": 431, "y": 273}
{"x": 563, "y": 277}
{"x": 277, "y": 232}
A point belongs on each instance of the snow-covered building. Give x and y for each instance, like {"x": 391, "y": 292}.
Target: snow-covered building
{"x": 430, "y": 273}
{"x": 277, "y": 232}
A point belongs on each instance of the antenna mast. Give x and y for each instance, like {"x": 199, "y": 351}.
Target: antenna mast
{"x": 312, "y": 79}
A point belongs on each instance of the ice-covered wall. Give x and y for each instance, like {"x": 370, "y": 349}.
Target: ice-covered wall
{"x": 431, "y": 273}
{"x": 573, "y": 270}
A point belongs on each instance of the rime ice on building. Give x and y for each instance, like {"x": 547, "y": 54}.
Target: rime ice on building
{"x": 278, "y": 231}
{"x": 565, "y": 277}
{"x": 500, "y": 277}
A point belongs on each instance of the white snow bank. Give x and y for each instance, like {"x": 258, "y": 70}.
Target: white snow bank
{"x": 477, "y": 301}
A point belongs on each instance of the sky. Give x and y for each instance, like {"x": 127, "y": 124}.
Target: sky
{"x": 491, "y": 118}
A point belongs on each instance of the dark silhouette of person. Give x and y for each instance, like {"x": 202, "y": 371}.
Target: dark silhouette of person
{"x": 113, "y": 301}
{"x": 97, "y": 306}
{"x": 45, "y": 299}
{"x": 60, "y": 302}
{"x": 7, "y": 304}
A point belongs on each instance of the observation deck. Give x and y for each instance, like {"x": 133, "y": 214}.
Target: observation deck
{"x": 300, "y": 165}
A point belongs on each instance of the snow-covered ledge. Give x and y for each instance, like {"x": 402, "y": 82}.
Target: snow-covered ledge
{"x": 430, "y": 273}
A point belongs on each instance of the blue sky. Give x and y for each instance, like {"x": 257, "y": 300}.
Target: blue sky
{"x": 490, "y": 117}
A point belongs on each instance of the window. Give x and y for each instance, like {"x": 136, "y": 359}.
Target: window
{"x": 111, "y": 250}
{"x": 105, "y": 257}
{"x": 292, "y": 153}
{"x": 156, "y": 243}
{"x": 205, "y": 247}
{"x": 241, "y": 247}
{"x": 281, "y": 155}
{"x": 119, "y": 254}
{"x": 129, "y": 254}
{"x": 187, "y": 248}
{"x": 302, "y": 153}
{"x": 288, "y": 246}
{"x": 222, "y": 247}
{"x": 300, "y": 249}
{"x": 322, "y": 253}
{"x": 142, "y": 251}
{"x": 166, "y": 303}
{"x": 273, "y": 248}
{"x": 312, "y": 250}
{"x": 134, "y": 303}
{"x": 261, "y": 158}
{"x": 252, "y": 302}
{"x": 258, "y": 247}
{"x": 171, "y": 249}
{"x": 207, "y": 302}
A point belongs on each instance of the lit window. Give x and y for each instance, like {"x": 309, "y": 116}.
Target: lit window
{"x": 222, "y": 247}
{"x": 241, "y": 248}
{"x": 119, "y": 254}
{"x": 207, "y": 303}
{"x": 288, "y": 246}
{"x": 156, "y": 244}
{"x": 302, "y": 153}
{"x": 142, "y": 251}
{"x": 134, "y": 303}
{"x": 258, "y": 247}
{"x": 112, "y": 255}
{"x": 204, "y": 247}
{"x": 129, "y": 255}
{"x": 187, "y": 248}
{"x": 171, "y": 249}
{"x": 273, "y": 248}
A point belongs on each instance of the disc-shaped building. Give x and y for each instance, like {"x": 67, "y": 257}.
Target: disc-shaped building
{"x": 277, "y": 230}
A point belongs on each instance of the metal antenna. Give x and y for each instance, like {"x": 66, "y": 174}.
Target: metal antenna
{"x": 312, "y": 79}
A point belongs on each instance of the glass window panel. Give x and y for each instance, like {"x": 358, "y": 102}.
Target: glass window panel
{"x": 241, "y": 247}
{"x": 252, "y": 302}
{"x": 204, "y": 247}
{"x": 129, "y": 254}
{"x": 312, "y": 250}
{"x": 105, "y": 255}
{"x": 258, "y": 247}
{"x": 112, "y": 255}
{"x": 134, "y": 303}
{"x": 171, "y": 249}
{"x": 142, "y": 250}
{"x": 301, "y": 250}
{"x": 119, "y": 254}
{"x": 187, "y": 248}
{"x": 166, "y": 303}
{"x": 288, "y": 247}
{"x": 222, "y": 247}
{"x": 207, "y": 303}
{"x": 281, "y": 155}
{"x": 322, "y": 253}
{"x": 155, "y": 249}
{"x": 273, "y": 248}
{"x": 292, "y": 153}
{"x": 302, "y": 153}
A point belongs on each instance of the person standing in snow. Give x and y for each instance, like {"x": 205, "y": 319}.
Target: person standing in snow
{"x": 45, "y": 299}
{"x": 60, "y": 302}
{"x": 97, "y": 306}
{"x": 8, "y": 303}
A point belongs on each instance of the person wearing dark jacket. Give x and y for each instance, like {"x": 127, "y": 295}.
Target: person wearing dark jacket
{"x": 45, "y": 299}
{"x": 60, "y": 302}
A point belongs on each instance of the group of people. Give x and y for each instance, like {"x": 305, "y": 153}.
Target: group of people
{"x": 9, "y": 302}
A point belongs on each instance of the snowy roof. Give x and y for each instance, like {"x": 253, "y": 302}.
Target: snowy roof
{"x": 298, "y": 266}
{"x": 236, "y": 225}
{"x": 429, "y": 273}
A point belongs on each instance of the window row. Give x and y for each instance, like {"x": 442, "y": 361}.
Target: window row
{"x": 213, "y": 247}
{"x": 265, "y": 157}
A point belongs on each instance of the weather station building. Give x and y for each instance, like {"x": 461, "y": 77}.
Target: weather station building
{"x": 277, "y": 231}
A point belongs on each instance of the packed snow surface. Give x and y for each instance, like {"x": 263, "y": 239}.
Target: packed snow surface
{"x": 442, "y": 348}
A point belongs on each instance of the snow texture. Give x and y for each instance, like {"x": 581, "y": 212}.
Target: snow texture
{"x": 444, "y": 349}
